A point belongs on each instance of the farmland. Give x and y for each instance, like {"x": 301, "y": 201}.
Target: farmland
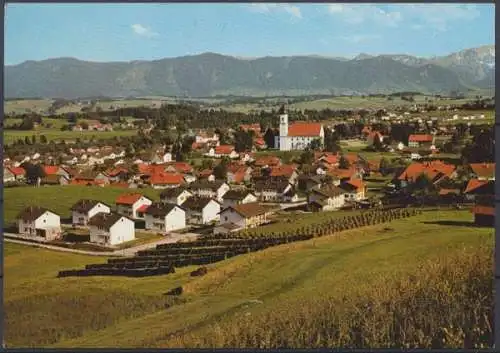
{"x": 363, "y": 262}
{"x": 17, "y": 198}
{"x": 52, "y": 134}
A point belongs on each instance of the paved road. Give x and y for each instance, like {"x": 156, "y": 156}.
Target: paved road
{"x": 171, "y": 238}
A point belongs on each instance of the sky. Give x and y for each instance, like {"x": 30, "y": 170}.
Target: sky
{"x": 127, "y": 32}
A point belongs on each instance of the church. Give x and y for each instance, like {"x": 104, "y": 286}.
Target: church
{"x": 298, "y": 135}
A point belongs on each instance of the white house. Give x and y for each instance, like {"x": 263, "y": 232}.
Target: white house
{"x": 354, "y": 190}
{"x": 236, "y": 197}
{"x": 223, "y": 151}
{"x": 201, "y": 210}
{"x": 111, "y": 229}
{"x": 85, "y": 209}
{"x": 165, "y": 217}
{"x": 36, "y": 221}
{"x": 129, "y": 204}
{"x": 176, "y": 196}
{"x": 272, "y": 191}
{"x": 326, "y": 198}
{"x": 214, "y": 190}
{"x": 299, "y": 135}
{"x": 242, "y": 216}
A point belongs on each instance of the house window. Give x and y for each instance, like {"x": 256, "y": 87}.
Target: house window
{"x": 225, "y": 218}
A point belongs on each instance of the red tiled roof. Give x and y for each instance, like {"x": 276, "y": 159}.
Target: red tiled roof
{"x": 166, "y": 179}
{"x": 205, "y": 173}
{"x": 224, "y": 149}
{"x": 484, "y": 210}
{"x": 332, "y": 159}
{"x": 283, "y": 170}
{"x": 197, "y": 145}
{"x": 485, "y": 170}
{"x": 128, "y": 199}
{"x": 474, "y": 184}
{"x": 181, "y": 167}
{"x": 115, "y": 171}
{"x": 420, "y": 138}
{"x": 431, "y": 169}
{"x": 304, "y": 129}
{"x": 50, "y": 169}
{"x": 260, "y": 141}
{"x": 267, "y": 160}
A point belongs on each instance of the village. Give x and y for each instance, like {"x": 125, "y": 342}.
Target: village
{"x": 230, "y": 191}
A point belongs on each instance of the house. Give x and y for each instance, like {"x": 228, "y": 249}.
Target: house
{"x": 176, "y": 196}
{"x": 288, "y": 171}
{"x": 236, "y": 197}
{"x": 201, "y": 210}
{"x": 11, "y": 174}
{"x": 130, "y": 203}
{"x": 326, "y": 198}
{"x": 484, "y": 211}
{"x": 224, "y": 151}
{"x": 272, "y": 191}
{"x": 243, "y": 216}
{"x": 476, "y": 187}
{"x": 436, "y": 171}
{"x": 237, "y": 174}
{"x": 267, "y": 161}
{"x": 214, "y": 190}
{"x": 354, "y": 189}
{"x": 420, "y": 140}
{"x": 165, "y": 217}
{"x": 299, "y": 135}
{"x": 117, "y": 174}
{"x": 166, "y": 180}
{"x": 483, "y": 171}
{"x": 85, "y": 209}
{"x": 40, "y": 222}
{"x": 111, "y": 229}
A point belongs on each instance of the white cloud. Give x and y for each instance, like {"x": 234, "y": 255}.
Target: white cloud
{"x": 439, "y": 16}
{"x": 143, "y": 31}
{"x": 293, "y": 10}
{"x": 357, "y": 14}
{"x": 417, "y": 16}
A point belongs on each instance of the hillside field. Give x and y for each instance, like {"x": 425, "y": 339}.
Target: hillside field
{"x": 53, "y": 134}
{"x": 42, "y": 310}
{"x": 50, "y": 197}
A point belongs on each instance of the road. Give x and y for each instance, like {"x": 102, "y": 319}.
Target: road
{"x": 171, "y": 238}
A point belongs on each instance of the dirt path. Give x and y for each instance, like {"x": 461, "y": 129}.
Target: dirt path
{"x": 172, "y": 238}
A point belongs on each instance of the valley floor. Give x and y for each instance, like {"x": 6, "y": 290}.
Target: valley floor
{"x": 45, "y": 311}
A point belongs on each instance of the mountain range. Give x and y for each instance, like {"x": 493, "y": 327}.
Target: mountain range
{"x": 211, "y": 74}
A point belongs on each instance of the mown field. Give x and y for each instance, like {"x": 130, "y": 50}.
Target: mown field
{"x": 399, "y": 284}
{"x": 60, "y": 198}
{"x": 10, "y": 136}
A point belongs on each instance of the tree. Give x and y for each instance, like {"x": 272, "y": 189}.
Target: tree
{"x": 43, "y": 139}
{"x": 27, "y": 140}
{"x": 306, "y": 157}
{"x": 34, "y": 172}
{"x": 220, "y": 170}
{"x": 344, "y": 163}
{"x": 207, "y": 163}
{"x": 332, "y": 142}
{"x": 84, "y": 125}
{"x": 315, "y": 145}
{"x": 33, "y": 139}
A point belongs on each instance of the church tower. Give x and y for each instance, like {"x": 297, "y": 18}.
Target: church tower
{"x": 283, "y": 140}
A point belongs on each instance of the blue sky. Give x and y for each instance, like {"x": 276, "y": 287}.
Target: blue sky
{"x": 125, "y": 32}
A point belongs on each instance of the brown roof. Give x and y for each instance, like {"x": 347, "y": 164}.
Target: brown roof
{"x": 248, "y": 210}
{"x": 172, "y": 192}
{"x": 161, "y": 209}
{"x": 236, "y": 194}
{"x": 328, "y": 190}
{"x": 31, "y": 213}
{"x": 85, "y": 205}
{"x": 105, "y": 220}
{"x": 196, "y": 203}
{"x": 202, "y": 185}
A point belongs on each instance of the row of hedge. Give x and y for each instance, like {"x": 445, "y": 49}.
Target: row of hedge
{"x": 138, "y": 272}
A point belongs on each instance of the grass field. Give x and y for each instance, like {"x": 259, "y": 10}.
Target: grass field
{"x": 60, "y": 198}
{"x": 53, "y": 134}
{"x": 28, "y": 105}
{"x": 238, "y": 295}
